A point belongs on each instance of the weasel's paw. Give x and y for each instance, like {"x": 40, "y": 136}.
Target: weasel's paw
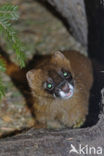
{"x": 54, "y": 125}
{"x": 79, "y": 123}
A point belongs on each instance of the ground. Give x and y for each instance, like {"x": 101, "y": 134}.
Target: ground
{"x": 40, "y": 31}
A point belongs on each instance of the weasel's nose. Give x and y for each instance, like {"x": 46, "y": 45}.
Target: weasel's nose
{"x": 65, "y": 88}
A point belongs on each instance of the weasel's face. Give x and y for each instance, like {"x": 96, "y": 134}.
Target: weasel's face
{"x": 60, "y": 84}
{"x": 53, "y": 79}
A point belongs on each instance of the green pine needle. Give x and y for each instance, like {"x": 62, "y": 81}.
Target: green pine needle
{"x": 9, "y": 12}
{"x": 2, "y": 89}
{"x": 2, "y": 66}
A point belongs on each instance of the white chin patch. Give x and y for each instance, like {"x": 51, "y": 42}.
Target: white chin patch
{"x": 68, "y": 95}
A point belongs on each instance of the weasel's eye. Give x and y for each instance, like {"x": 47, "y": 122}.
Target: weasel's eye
{"x": 49, "y": 85}
{"x": 65, "y": 74}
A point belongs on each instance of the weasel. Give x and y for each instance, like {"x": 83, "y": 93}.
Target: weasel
{"x": 60, "y": 85}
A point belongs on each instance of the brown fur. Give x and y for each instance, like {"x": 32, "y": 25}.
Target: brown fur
{"x": 14, "y": 71}
{"x": 54, "y": 112}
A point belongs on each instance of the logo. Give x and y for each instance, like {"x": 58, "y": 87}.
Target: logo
{"x": 86, "y": 150}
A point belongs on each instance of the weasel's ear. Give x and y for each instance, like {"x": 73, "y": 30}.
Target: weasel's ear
{"x": 58, "y": 58}
{"x": 58, "y": 54}
{"x": 32, "y": 75}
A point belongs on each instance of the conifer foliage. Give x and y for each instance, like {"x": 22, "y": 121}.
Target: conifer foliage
{"x": 8, "y": 13}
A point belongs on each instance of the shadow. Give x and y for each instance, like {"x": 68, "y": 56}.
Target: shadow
{"x": 13, "y": 133}
{"x": 95, "y": 15}
{"x": 95, "y": 108}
